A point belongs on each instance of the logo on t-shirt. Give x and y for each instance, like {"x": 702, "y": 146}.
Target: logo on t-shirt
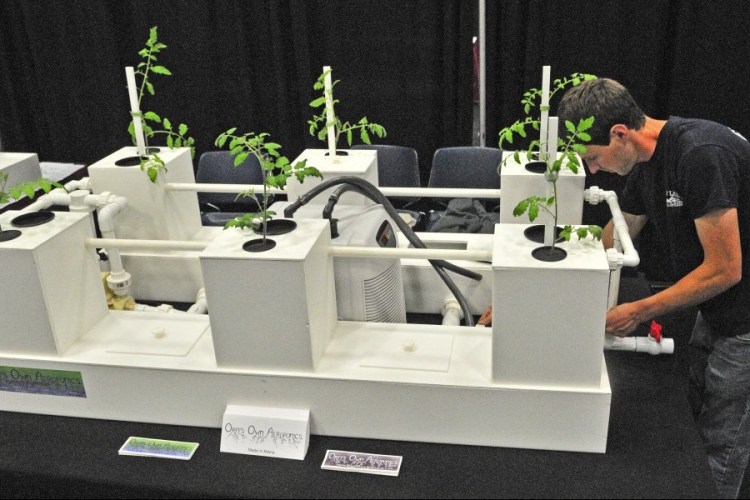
{"x": 674, "y": 199}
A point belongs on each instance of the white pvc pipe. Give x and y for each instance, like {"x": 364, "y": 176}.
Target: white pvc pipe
{"x": 330, "y": 115}
{"x": 544, "y": 108}
{"x": 201, "y": 303}
{"x": 119, "y": 279}
{"x": 217, "y": 188}
{"x": 129, "y": 244}
{"x": 410, "y": 253}
{"x": 440, "y": 192}
{"x": 552, "y": 134}
{"x": 638, "y": 344}
{"x": 54, "y": 197}
{"x": 551, "y": 155}
{"x": 614, "y": 287}
{"x": 387, "y": 191}
{"x": 451, "y": 311}
{"x": 140, "y": 139}
{"x": 335, "y": 251}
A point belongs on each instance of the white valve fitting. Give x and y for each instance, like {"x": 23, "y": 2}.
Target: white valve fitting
{"x": 639, "y": 344}
{"x": 594, "y": 195}
{"x": 119, "y": 282}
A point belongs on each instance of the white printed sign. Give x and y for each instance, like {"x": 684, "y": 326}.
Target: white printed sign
{"x": 269, "y": 432}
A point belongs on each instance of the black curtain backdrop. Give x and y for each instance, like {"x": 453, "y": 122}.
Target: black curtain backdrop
{"x": 405, "y": 64}
{"x": 250, "y": 64}
{"x": 684, "y": 58}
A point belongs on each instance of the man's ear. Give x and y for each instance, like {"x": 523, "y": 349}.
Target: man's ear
{"x": 619, "y": 131}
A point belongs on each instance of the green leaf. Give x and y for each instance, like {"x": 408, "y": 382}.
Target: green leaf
{"x": 318, "y": 102}
{"x": 170, "y": 142}
{"x": 585, "y": 124}
{"x": 152, "y": 36}
{"x": 533, "y": 212}
{"x": 150, "y": 88}
{"x": 160, "y": 70}
{"x": 183, "y": 129}
{"x": 241, "y": 157}
{"x": 167, "y": 124}
{"x": 570, "y": 126}
{"x": 150, "y": 115}
{"x": 521, "y": 208}
{"x": 584, "y": 136}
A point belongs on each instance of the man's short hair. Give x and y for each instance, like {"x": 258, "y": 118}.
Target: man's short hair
{"x": 607, "y": 101}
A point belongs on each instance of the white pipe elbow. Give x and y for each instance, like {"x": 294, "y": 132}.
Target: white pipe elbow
{"x": 113, "y": 206}
{"x": 78, "y": 184}
{"x": 630, "y": 257}
{"x": 54, "y": 197}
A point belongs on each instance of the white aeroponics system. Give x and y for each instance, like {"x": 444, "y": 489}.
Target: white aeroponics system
{"x": 272, "y": 339}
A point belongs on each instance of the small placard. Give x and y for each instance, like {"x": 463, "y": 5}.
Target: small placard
{"x": 369, "y": 463}
{"x": 159, "y": 448}
{"x": 268, "y": 432}
{"x": 42, "y": 381}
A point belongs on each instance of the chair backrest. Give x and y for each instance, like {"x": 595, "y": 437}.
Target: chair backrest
{"x": 217, "y": 167}
{"x": 466, "y": 167}
{"x": 398, "y": 166}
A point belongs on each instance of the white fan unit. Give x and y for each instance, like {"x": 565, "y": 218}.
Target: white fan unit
{"x": 368, "y": 289}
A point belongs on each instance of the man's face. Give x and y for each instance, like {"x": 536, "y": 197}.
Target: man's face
{"x": 618, "y": 157}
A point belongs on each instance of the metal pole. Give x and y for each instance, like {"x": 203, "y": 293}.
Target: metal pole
{"x": 482, "y": 77}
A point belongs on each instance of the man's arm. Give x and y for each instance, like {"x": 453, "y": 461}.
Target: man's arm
{"x": 721, "y": 269}
{"x": 635, "y": 224}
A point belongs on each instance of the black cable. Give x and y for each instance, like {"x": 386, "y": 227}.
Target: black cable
{"x": 372, "y": 192}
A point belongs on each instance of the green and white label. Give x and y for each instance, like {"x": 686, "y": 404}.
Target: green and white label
{"x": 42, "y": 381}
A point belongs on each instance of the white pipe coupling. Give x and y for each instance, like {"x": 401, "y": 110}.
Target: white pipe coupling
{"x": 451, "y": 311}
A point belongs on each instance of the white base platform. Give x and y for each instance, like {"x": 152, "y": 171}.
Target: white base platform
{"x": 440, "y": 394}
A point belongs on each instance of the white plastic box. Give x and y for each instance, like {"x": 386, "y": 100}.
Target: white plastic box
{"x": 361, "y": 163}
{"x": 517, "y": 183}
{"x": 153, "y": 212}
{"x": 53, "y": 289}
{"x": 548, "y": 317}
{"x": 273, "y": 309}
{"x": 20, "y": 167}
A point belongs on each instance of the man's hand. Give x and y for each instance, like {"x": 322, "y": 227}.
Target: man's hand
{"x": 622, "y": 320}
{"x": 486, "y": 318}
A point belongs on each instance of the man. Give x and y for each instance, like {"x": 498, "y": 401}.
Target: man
{"x": 691, "y": 179}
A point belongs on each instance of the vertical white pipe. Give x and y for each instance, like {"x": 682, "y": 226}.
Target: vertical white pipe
{"x": 482, "y": 75}
{"x": 553, "y": 124}
{"x": 330, "y": 116}
{"x": 551, "y": 154}
{"x": 544, "y": 108}
{"x": 140, "y": 140}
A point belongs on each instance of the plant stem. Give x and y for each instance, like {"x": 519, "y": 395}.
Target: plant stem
{"x": 554, "y": 217}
